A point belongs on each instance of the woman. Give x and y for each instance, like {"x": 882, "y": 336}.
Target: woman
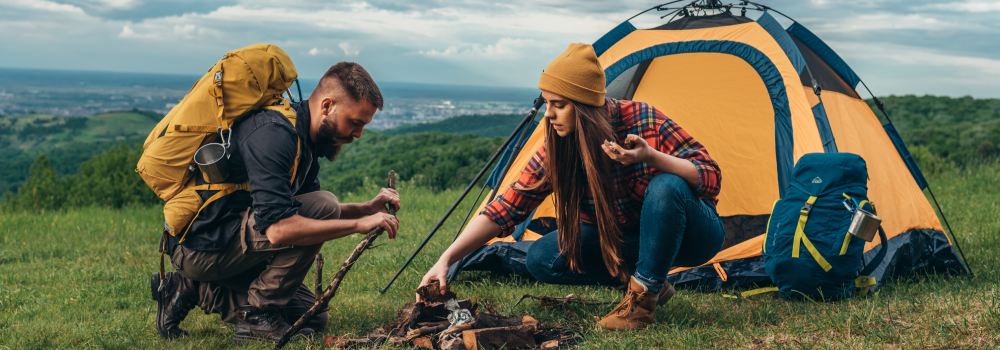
{"x": 625, "y": 214}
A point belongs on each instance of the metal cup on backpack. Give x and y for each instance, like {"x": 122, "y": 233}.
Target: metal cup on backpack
{"x": 864, "y": 225}
{"x": 213, "y": 159}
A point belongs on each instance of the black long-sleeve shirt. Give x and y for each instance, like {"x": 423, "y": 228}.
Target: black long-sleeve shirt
{"x": 263, "y": 152}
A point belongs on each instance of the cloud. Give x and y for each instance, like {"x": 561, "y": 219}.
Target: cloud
{"x": 965, "y": 6}
{"x": 349, "y": 49}
{"x": 891, "y": 22}
{"x": 981, "y": 67}
{"x": 166, "y": 31}
{"x": 138, "y": 10}
{"x": 503, "y": 49}
{"x": 346, "y": 49}
{"x": 447, "y": 41}
{"x": 44, "y": 6}
{"x": 315, "y": 51}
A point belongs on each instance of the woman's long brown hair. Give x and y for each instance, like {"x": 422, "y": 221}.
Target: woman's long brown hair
{"x": 575, "y": 161}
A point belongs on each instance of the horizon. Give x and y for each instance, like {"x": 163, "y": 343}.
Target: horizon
{"x": 923, "y": 47}
{"x": 306, "y": 88}
{"x": 304, "y": 79}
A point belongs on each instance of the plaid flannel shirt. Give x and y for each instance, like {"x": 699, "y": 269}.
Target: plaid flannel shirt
{"x": 627, "y": 117}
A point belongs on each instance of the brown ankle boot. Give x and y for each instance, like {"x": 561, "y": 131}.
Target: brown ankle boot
{"x": 666, "y": 293}
{"x": 636, "y": 308}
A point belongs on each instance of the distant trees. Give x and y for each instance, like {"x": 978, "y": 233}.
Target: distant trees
{"x": 434, "y": 160}
{"x": 107, "y": 179}
{"x": 941, "y": 132}
{"x": 480, "y": 125}
{"x": 43, "y": 190}
{"x": 964, "y": 130}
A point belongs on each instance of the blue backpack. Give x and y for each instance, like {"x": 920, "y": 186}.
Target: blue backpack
{"x": 808, "y": 252}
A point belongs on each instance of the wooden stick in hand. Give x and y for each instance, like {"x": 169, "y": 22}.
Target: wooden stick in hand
{"x": 331, "y": 290}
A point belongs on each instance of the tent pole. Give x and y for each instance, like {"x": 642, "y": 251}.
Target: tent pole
{"x": 517, "y": 149}
{"x": 965, "y": 262}
{"x": 530, "y": 116}
{"x": 659, "y": 7}
{"x": 493, "y": 192}
{"x": 469, "y": 214}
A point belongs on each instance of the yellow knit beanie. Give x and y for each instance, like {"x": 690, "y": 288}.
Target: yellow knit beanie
{"x": 575, "y": 74}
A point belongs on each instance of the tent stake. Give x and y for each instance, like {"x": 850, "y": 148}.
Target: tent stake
{"x": 527, "y": 118}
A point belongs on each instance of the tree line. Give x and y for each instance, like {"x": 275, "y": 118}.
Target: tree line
{"x": 433, "y": 160}
{"x": 941, "y": 132}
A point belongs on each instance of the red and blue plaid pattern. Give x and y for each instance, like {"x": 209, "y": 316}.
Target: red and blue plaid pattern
{"x": 627, "y": 117}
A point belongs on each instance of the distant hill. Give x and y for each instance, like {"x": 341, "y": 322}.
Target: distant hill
{"x": 67, "y": 141}
{"x": 479, "y": 125}
{"x": 940, "y": 131}
{"x": 436, "y": 160}
{"x": 962, "y": 130}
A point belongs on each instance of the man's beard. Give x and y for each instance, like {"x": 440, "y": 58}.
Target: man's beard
{"x": 326, "y": 138}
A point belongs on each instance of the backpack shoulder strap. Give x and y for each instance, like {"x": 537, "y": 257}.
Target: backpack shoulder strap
{"x": 225, "y": 189}
{"x": 800, "y": 238}
{"x": 285, "y": 108}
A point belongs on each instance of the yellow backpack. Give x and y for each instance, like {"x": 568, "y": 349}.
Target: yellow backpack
{"x": 244, "y": 80}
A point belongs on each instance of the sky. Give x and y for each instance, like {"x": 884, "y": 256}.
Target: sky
{"x": 943, "y": 47}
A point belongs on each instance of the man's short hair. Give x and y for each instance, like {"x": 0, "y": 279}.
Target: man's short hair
{"x": 356, "y": 81}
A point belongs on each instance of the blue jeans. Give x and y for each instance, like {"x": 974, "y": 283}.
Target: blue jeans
{"x": 675, "y": 229}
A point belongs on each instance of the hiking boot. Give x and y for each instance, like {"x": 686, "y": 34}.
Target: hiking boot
{"x": 635, "y": 311}
{"x": 666, "y": 293}
{"x": 173, "y": 303}
{"x": 265, "y": 325}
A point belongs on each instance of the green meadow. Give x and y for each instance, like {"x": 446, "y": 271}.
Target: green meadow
{"x": 78, "y": 278}
{"x": 79, "y": 234}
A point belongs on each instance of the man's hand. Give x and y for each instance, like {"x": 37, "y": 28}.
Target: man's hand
{"x": 385, "y": 221}
{"x": 386, "y": 195}
{"x": 636, "y": 150}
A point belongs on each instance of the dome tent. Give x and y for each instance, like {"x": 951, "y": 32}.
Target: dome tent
{"x": 758, "y": 95}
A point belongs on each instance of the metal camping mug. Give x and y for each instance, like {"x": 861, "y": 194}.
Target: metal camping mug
{"x": 213, "y": 162}
{"x": 864, "y": 225}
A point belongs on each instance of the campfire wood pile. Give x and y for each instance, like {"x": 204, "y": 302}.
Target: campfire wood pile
{"x": 448, "y": 323}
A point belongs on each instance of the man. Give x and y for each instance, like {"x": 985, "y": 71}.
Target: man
{"x": 248, "y": 253}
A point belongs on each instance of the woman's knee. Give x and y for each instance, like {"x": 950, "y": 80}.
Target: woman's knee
{"x": 541, "y": 259}
{"x": 667, "y": 185}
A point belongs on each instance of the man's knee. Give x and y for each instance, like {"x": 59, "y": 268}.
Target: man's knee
{"x": 322, "y": 205}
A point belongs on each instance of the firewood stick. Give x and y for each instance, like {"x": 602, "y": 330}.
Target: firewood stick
{"x": 319, "y": 274}
{"x": 425, "y": 330}
{"x": 331, "y": 290}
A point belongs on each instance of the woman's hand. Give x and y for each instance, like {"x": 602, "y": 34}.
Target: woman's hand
{"x": 479, "y": 231}
{"x": 637, "y": 150}
{"x": 437, "y": 274}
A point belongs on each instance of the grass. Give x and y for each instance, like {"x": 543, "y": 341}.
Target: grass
{"x": 78, "y": 279}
